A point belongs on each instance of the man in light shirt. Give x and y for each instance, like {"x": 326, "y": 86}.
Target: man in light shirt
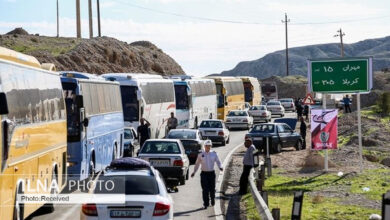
{"x": 207, "y": 159}
{"x": 248, "y": 164}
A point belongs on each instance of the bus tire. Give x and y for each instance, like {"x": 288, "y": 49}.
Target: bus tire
{"x": 49, "y": 207}
{"x": 18, "y": 207}
{"x": 91, "y": 170}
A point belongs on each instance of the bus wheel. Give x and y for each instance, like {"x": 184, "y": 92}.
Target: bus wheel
{"x": 91, "y": 171}
{"x": 49, "y": 207}
{"x": 18, "y": 207}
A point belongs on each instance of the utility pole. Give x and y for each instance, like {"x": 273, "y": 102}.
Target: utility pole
{"x": 285, "y": 21}
{"x": 58, "y": 22}
{"x": 98, "y": 14}
{"x": 78, "y": 22}
{"x": 90, "y": 18}
{"x": 341, "y": 34}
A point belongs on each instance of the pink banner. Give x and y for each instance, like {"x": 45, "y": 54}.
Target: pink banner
{"x": 323, "y": 129}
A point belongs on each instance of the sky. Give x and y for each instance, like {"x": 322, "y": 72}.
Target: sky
{"x": 208, "y": 36}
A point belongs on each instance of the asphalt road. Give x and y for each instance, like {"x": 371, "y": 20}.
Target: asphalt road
{"x": 187, "y": 202}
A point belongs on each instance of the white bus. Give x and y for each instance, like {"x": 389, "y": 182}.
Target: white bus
{"x": 196, "y": 100}
{"x": 146, "y": 96}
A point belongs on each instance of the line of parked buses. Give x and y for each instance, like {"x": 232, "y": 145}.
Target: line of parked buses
{"x": 58, "y": 125}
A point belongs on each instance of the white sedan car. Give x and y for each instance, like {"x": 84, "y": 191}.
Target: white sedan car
{"x": 214, "y": 130}
{"x": 239, "y": 119}
{"x": 276, "y": 108}
{"x": 145, "y": 193}
{"x": 260, "y": 113}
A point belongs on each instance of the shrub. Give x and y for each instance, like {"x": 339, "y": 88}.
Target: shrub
{"x": 384, "y": 104}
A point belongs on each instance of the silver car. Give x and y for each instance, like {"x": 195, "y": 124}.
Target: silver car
{"x": 260, "y": 113}
{"x": 167, "y": 156}
{"x": 288, "y": 104}
{"x": 276, "y": 108}
{"x": 239, "y": 119}
{"x": 215, "y": 130}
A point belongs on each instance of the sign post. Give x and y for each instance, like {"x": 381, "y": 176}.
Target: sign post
{"x": 345, "y": 75}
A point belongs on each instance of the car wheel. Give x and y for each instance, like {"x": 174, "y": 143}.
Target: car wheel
{"x": 223, "y": 142}
{"x": 188, "y": 174}
{"x": 182, "y": 180}
{"x": 228, "y": 140}
{"x": 278, "y": 148}
{"x": 298, "y": 145}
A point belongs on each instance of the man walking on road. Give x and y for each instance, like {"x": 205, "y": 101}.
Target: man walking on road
{"x": 347, "y": 103}
{"x": 248, "y": 164}
{"x": 143, "y": 131}
{"x": 207, "y": 159}
{"x": 172, "y": 122}
{"x": 302, "y": 129}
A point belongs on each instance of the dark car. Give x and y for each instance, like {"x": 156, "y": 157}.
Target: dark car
{"x": 191, "y": 140}
{"x": 280, "y": 136}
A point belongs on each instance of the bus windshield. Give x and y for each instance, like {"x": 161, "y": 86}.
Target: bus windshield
{"x": 130, "y": 103}
{"x": 248, "y": 92}
{"x": 72, "y": 111}
{"x": 181, "y": 97}
{"x": 220, "y": 97}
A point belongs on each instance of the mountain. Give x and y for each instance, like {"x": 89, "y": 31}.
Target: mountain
{"x": 274, "y": 64}
{"x": 97, "y": 55}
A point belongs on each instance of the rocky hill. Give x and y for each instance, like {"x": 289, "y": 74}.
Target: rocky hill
{"x": 98, "y": 55}
{"x": 274, "y": 64}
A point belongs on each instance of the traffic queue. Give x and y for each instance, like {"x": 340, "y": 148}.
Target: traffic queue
{"x": 62, "y": 126}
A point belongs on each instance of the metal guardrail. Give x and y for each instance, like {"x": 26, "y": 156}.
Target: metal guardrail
{"x": 259, "y": 202}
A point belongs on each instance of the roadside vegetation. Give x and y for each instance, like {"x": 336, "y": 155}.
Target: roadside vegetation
{"x": 329, "y": 196}
{"x": 251, "y": 210}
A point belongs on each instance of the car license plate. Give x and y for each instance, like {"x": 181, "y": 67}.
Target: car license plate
{"x": 258, "y": 138}
{"x": 159, "y": 163}
{"x": 210, "y": 132}
{"x": 125, "y": 213}
{"x": 237, "y": 120}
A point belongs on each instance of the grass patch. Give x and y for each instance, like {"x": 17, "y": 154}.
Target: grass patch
{"x": 378, "y": 154}
{"x": 318, "y": 208}
{"x": 377, "y": 180}
{"x": 251, "y": 210}
{"x": 343, "y": 140}
{"x": 281, "y": 189}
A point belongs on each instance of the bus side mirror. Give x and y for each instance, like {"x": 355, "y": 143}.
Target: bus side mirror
{"x": 85, "y": 122}
{"x": 3, "y": 104}
{"x": 5, "y": 146}
{"x": 79, "y": 101}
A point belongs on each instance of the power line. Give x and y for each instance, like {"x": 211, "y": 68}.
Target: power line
{"x": 193, "y": 17}
{"x": 243, "y": 22}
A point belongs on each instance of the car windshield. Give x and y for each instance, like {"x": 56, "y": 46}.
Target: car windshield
{"x": 128, "y": 185}
{"x": 261, "y": 107}
{"x": 128, "y": 134}
{"x": 263, "y": 128}
{"x": 211, "y": 124}
{"x": 238, "y": 113}
{"x": 182, "y": 135}
{"x": 164, "y": 147}
{"x": 273, "y": 103}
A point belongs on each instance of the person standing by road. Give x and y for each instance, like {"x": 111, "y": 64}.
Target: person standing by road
{"x": 143, "y": 131}
{"x": 248, "y": 164}
{"x": 172, "y": 122}
{"x": 303, "y": 129}
{"x": 299, "y": 110}
{"x": 207, "y": 159}
{"x": 347, "y": 103}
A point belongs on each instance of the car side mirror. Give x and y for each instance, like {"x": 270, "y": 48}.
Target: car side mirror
{"x": 3, "y": 104}
{"x": 85, "y": 122}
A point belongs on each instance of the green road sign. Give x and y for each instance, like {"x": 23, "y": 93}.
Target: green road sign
{"x": 349, "y": 75}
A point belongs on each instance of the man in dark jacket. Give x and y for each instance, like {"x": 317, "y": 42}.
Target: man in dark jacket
{"x": 303, "y": 129}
